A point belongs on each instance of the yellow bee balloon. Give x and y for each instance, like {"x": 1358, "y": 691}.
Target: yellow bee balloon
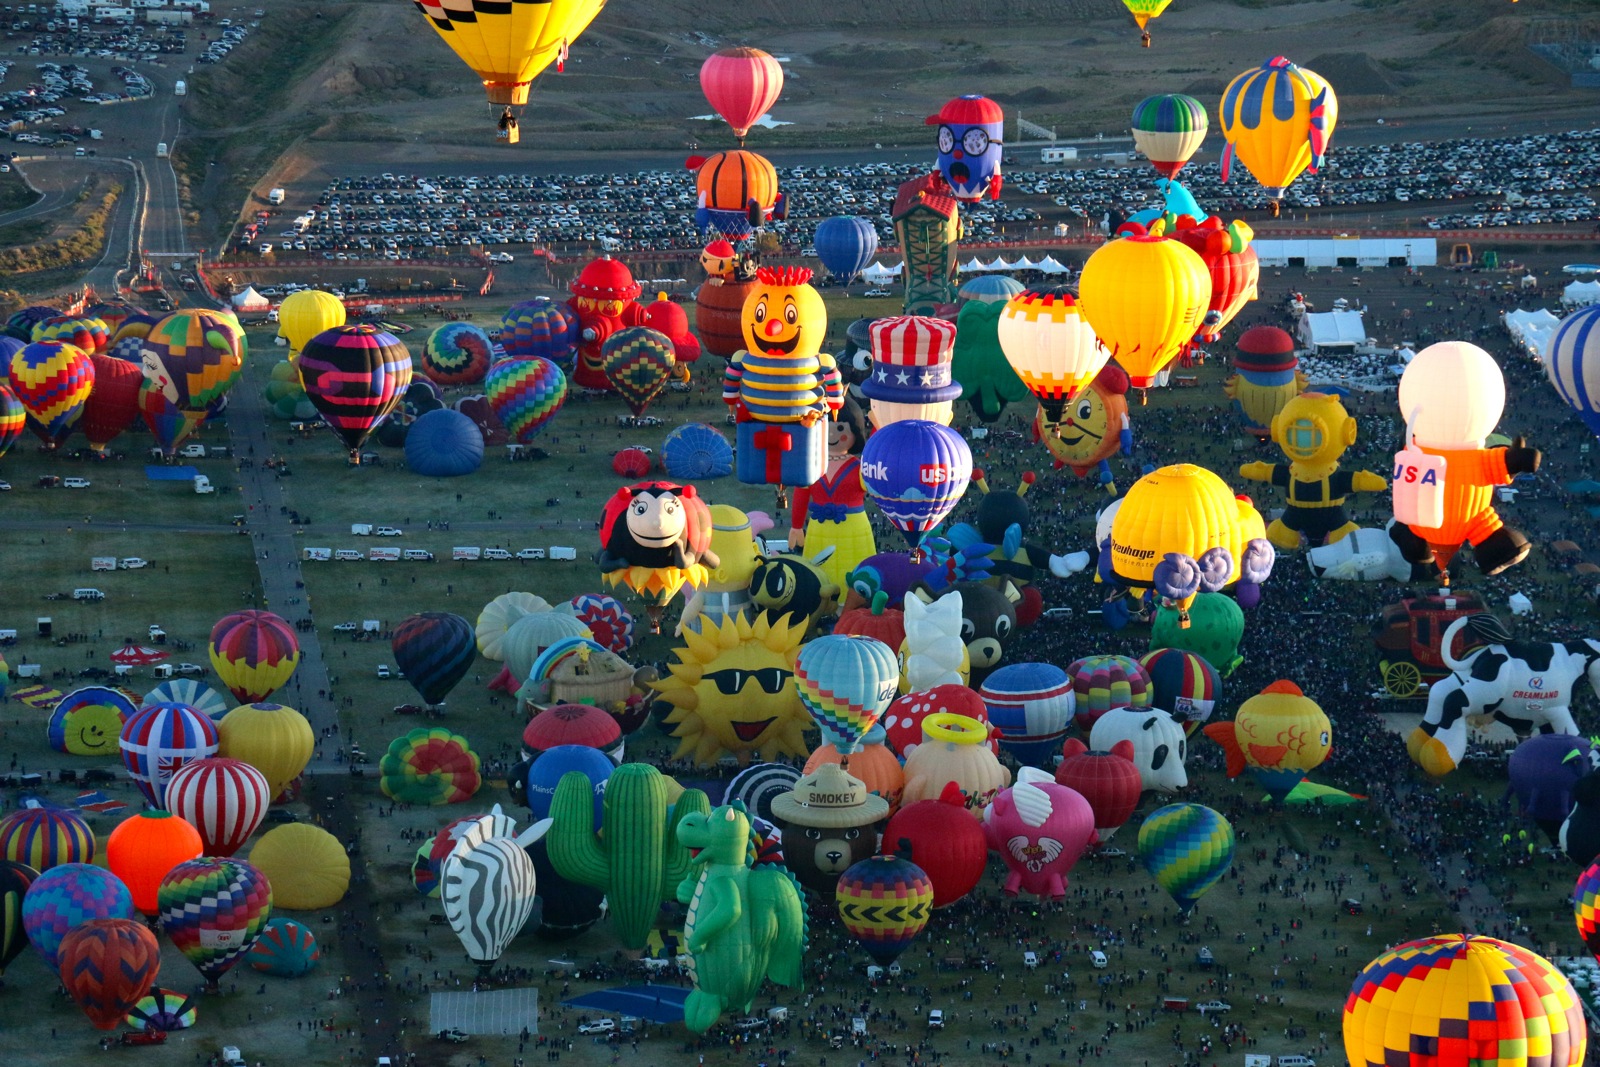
{"x": 1278, "y": 120}
{"x": 1145, "y": 297}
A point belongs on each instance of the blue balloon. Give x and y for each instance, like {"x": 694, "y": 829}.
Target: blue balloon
{"x": 846, "y": 244}
{"x": 9, "y": 346}
{"x": 444, "y": 444}
{"x": 697, "y": 451}
{"x": 1031, "y": 704}
{"x": 916, "y": 472}
{"x": 1573, "y": 362}
{"x": 1179, "y": 201}
{"x": 548, "y": 767}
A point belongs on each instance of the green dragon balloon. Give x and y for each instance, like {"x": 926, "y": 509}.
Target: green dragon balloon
{"x": 745, "y": 923}
{"x": 635, "y": 859}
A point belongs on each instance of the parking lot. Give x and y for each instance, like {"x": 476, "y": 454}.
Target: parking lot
{"x": 1546, "y": 180}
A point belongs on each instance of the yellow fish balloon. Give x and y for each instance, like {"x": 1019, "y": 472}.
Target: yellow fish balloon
{"x": 1278, "y": 120}
{"x": 1279, "y": 735}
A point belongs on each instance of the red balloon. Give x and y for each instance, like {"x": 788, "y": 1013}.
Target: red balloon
{"x": 225, "y": 799}
{"x": 113, "y": 403}
{"x": 107, "y": 965}
{"x": 631, "y": 463}
{"x": 902, "y": 721}
{"x": 741, "y": 84}
{"x": 944, "y": 840}
{"x": 1109, "y": 781}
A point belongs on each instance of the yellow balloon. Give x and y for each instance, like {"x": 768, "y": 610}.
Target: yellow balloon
{"x": 307, "y": 866}
{"x": 509, "y": 44}
{"x": 1182, "y": 509}
{"x": 1145, "y": 297}
{"x": 1278, "y": 120}
{"x": 275, "y": 740}
{"x": 305, "y": 314}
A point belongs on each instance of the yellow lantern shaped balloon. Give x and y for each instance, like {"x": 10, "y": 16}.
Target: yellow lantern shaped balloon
{"x": 1145, "y": 297}
{"x": 509, "y": 44}
{"x": 1050, "y": 346}
{"x": 305, "y": 314}
{"x": 1181, "y": 531}
{"x": 1278, "y": 120}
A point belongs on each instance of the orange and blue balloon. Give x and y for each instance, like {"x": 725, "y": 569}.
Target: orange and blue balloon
{"x": 107, "y": 966}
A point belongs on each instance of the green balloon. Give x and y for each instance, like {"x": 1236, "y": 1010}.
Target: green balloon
{"x": 987, "y": 381}
{"x": 1216, "y": 626}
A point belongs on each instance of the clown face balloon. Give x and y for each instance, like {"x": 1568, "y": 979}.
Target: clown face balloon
{"x": 971, "y": 136}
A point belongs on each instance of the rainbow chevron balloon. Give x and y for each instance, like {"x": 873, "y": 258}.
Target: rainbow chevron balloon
{"x": 13, "y": 417}
{"x": 86, "y": 332}
{"x": 214, "y": 909}
{"x": 1186, "y": 848}
{"x": 52, "y": 379}
{"x": 1586, "y": 908}
{"x": 525, "y": 393}
{"x": 885, "y": 901}
{"x": 846, "y": 682}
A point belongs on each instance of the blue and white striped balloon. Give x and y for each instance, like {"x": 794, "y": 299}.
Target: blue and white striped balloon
{"x": 1573, "y": 363}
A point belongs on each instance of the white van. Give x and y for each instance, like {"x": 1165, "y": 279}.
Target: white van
{"x": 563, "y": 552}
{"x": 202, "y": 484}
{"x": 1030, "y": 960}
{"x": 348, "y": 553}
{"x": 75, "y": 483}
{"x": 320, "y": 554}
{"x": 193, "y": 452}
{"x": 361, "y": 529}
{"x": 1296, "y": 1061}
{"x": 87, "y": 594}
{"x": 384, "y": 555}
{"x": 466, "y": 552}
{"x": 103, "y": 563}
{"x": 161, "y": 150}
{"x": 1098, "y": 958}
{"x": 275, "y": 196}
{"x": 132, "y": 563}
{"x": 496, "y": 553}
{"x": 530, "y": 553}
{"x": 419, "y": 555}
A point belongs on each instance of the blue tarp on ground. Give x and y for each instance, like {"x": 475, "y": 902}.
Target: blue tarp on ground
{"x": 658, "y": 1003}
{"x": 169, "y": 474}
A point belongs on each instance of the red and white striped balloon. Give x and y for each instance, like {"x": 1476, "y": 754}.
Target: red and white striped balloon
{"x": 225, "y": 799}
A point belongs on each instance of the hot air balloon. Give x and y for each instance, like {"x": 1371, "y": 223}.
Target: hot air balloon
{"x": 113, "y": 403}
{"x": 213, "y": 910}
{"x": 487, "y": 886}
{"x": 740, "y": 84}
{"x": 66, "y": 897}
{"x": 737, "y": 191}
{"x": 457, "y": 353}
{"x": 164, "y": 1009}
{"x": 1456, "y": 999}
{"x": 107, "y": 965}
{"x": 435, "y": 650}
{"x": 1278, "y": 119}
{"x": 10, "y": 346}
{"x": 638, "y": 362}
{"x": 1182, "y": 683}
{"x": 697, "y": 451}
{"x": 1040, "y": 828}
{"x": 846, "y": 244}
{"x": 355, "y": 376}
{"x": 1109, "y": 781}
{"x": 307, "y": 866}
{"x": 653, "y": 536}
{"x": 52, "y": 380}
{"x": 20, "y": 324}
{"x": 1105, "y": 683}
{"x": 168, "y": 423}
{"x": 144, "y": 847}
{"x": 88, "y": 721}
{"x": 1143, "y": 11}
{"x": 306, "y": 313}
{"x": 13, "y": 417}
{"x": 916, "y": 472}
{"x": 444, "y": 444}
{"x": 113, "y": 313}
{"x": 275, "y": 740}
{"x": 193, "y": 357}
{"x": 224, "y": 799}
{"x": 1585, "y": 898}
{"x": 910, "y": 379}
{"x": 1145, "y": 297}
{"x": 84, "y": 331}
{"x": 1235, "y": 269}
{"x": 971, "y": 138}
{"x": 1279, "y": 735}
{"x": 885, "y": 901}
{"x": 1573, "y": 362}
{"x": 1169, "y": 129}
{"x": 609, "y": 623}
{"x": 44, "y": 838}
{"x": 254, "y": 653}
{"x": 525, "y": 393}
{"x": 1031, "y": 704}
{"x": 540, "y": 327}
{"x": 1186, "y": 848}
{"x": 846, "y": 683}
{"x": 429, "y": 766}
{"x": 943, "y": 841}
{"x": 285, "y": 949}
{"x": 1051, "y": 347}
{"x": 508, "y": 48}
{"x": 15, "y": 878}
{"x": 157, "y": 740}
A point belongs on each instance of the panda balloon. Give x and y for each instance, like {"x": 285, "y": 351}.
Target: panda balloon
{"x": 1159, "y": 745}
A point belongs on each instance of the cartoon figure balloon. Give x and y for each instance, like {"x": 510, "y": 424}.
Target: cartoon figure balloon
{"x": 1280, "y": 735}
{"x": 1313, "y": 430}
{"x": 1040, "y": 829}
{"x": 971, "y": 139}
{"x": 655, "y": 536}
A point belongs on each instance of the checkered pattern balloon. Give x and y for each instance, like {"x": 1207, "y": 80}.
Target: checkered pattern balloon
{"x": 88, "y": 333}
{"x": 1187, "y": 848}
{"x": 1586, "y": 908}
{"x": 885, "y": 901}
{"x": 214, "y": 909}
{"x": 525, "y": 394}
{"x": 1457, "y": 1000}
{"x": 68, "y": 896}
{"x": 193, "y": 357}
{"x": 637, "y": 362}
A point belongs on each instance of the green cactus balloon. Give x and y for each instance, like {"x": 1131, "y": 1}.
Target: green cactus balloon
{"x": 635, "y": 859}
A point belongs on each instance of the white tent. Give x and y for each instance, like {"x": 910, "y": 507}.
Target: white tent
{"x": 971, "y": 266}
{"x": 1050, "y": 265}
{"x": 1581, "y": 294}
{"x": 1519, "y": 604}
{"x": 1531, "y": 329}
{"x": 877, "y": 272}
{"x": 1323, "y": 330}
{"x": 250, "y": 300}
{"x": 1026, "y": 264}
{"x": 999, "y": 263}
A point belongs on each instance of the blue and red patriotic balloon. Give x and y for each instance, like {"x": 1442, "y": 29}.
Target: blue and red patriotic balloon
{"x": 916, "y": 472}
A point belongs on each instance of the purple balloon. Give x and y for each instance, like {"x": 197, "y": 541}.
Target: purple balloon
{"x": 1543, "y": 770}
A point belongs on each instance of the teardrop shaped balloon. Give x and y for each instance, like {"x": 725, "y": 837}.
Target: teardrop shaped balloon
{"x": 1187, "y": 848}
{"x": 1169, "y": 129}
{"x": 741, "y": 84}
{"x": 916, "y": 472}
{"x": 435, "y": 650}
{"x": 885, "y": 901}
{"x": 193, "y": 357}
{"x": 113, "y": 403}
{"x": 355, "y": 376}
{"x": 254, "y": 652}
{"x": 846, "y": 682}
{"x": 52, "y": 379}
{"x": 107, "y": 965}
{"x": 525, "y": 393}
{"x": 213, "y": 910}
{"x": 638, "y": 362}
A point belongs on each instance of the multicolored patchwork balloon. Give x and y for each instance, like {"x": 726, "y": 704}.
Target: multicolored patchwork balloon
{"x": 254, "y": 653}
{"x": 193, "y": 357}
{"x": 457, "y": 353}
{"x": 429, "y": 767}
{"x": 52, "y": 379}
{"x": 13, "y": 417}
{"x": 168, "y": 423}
{"x": 213, "y": 910}
{"x": 160, "y": 739}
{"x": 885, "y": 901}
{"x": 1187, "y": 848}
{"x": 285, "y": 949}
{"x": 355, "y": 377}
{"x": 1461, "y": 999}
{"x": 85, "y": 331}
{"x": 20, "y": 324}
{"x": 108, "y": 965}
{"x": 609, "y": 623}
{"x": 1105, "y": 683}
{"x": 66, "y": 897}
{"x": 638, "y": 362}
{"x": 1586, "y": 908}
{"x": 846, "y": 682}
{"x": 540, "y": 327}
{"x": 525, "y": 393}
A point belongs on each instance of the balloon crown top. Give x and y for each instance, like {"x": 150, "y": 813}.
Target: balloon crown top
{"x": 783, "y": 275}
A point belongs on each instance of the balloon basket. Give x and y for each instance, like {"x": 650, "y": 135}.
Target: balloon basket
{"x": 654, "y": 612}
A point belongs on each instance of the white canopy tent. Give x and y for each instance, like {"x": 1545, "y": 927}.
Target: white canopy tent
{"x": 250, "y": 300}
{"x": 1050, "y": 265}
{"x": 1531, "y": 329}
{"x": 971, "y": 266}
{"x": 1519, "y": 604}
{"x": 1322, "y": 331}
{"x": 1581, "y": 294}
{"x": 877, "y": 272}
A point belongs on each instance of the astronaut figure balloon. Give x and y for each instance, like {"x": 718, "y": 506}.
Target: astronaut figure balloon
{"x": 971, "y": 142}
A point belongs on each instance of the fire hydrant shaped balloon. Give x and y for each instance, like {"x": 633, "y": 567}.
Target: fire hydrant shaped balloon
{"x": 971, "y": 136}
{"x": 1451, "y": 395}
{"x": 604, "y": 297}
{"x": 783, "y": 386}
{"x": 1313, "y": 430}
{"x": 1040, "y": 829}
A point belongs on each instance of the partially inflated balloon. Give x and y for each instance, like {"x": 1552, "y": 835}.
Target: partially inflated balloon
{"x": 435, "y": 650}
{"x": 213, "y": 910}
{"x": 457, "y": 353}
{"x": 305, "y": 314}
{"x": 107, "y": 965}
{"x": 525, "y": 393}
{"x": 307, "y": 866}
{"x": 429, "y": 767}
{"x": 85, "y": 331}
{"x": 1187, "y": 848}
{"x": 355, "y": 376}
{"x": 638, "y": 362}
{"x": 88, "y": 721}
{"x": 254, "y": 652}
{"x": 52, "y": 380}
{"x": 885, "y": 901}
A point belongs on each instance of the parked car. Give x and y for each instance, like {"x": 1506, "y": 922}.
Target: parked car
{"x": 598, "y": 1026}
{"x": 453, "y": 1035}
{"x": 1212, "y": 1006}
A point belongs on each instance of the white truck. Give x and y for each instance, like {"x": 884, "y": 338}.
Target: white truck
{"x": 466, "y": 552}
{"x": 202, "y": 484}
{"x": 319, "y": 554}
{"x": 103, "y": 563}
{"x": 384, "y": 555}
{"x": 275, "y": 196}
{"x": 180, "y": 88}
{"x": 563, "y": 552}
{"x": 361, "y": 529}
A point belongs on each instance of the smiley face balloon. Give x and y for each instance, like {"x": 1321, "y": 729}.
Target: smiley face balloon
{"x": 971, "y": 143}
